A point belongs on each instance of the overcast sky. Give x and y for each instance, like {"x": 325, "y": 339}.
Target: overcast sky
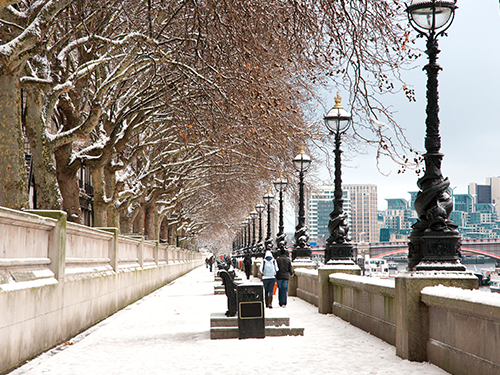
{"x": 469, "y": 104}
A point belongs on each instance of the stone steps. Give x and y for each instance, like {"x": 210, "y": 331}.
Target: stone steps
{"x": 218, "y": 333}
{"x": 222, "y": 327}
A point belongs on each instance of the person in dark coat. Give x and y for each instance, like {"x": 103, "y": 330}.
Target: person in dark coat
{"x": 247, "y": 263}
{"x": 283, "y": 276}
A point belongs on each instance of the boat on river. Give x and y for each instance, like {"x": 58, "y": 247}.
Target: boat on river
{"x": 376, "y": 267}
{"x": 495, "y": 285}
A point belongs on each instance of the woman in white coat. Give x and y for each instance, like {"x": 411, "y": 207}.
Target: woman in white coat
{"x": 269, "y": 269}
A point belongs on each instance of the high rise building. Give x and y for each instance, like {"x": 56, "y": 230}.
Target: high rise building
{"x": 319, "y": 208}
{"x": 494, "y": 183}
{"x": 363, "y": 217}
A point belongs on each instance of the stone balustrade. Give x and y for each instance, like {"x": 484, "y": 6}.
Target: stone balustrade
{"x": 59, "y": 278}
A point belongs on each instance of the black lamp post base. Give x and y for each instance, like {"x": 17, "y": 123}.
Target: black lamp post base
{"x": 339, "y": 252}
{"x": 434, "y": 251}
{"x": 301, "y": 254}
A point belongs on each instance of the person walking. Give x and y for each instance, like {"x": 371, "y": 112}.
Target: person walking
{"x": 247, "y": 264}
{"x": 269, "y": 269}
{"x": 283, "y": 276}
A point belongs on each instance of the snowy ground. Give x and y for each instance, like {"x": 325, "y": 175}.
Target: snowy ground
{"x": 167, "y": 332}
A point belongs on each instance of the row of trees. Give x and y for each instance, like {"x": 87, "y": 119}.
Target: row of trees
{"x": 181, "y": 109}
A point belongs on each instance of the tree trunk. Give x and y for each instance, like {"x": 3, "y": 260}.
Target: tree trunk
{"x": 164, "y": 230}
{"x": 127, "y": 217}
{"x": 100, "y": 206}
{"x": 111, "y": 211}
{"x": 172, "y": 231}
{"x": 151, "y": 221}
{"x": 47, "y": 189}
{"x": 68, "y": 184}
{"x": 13, "y": 180}
{"x": 139, "y": 221}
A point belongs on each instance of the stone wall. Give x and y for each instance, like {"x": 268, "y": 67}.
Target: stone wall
{"x": 59, "y": 278}
{"x": 464, "y": 330}
{"x": 307, "y": 285}
{"x": 439, "y": 317}
{"x": 367, "y": 303}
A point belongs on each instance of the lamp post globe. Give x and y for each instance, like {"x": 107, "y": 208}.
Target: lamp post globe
{"x": 280, "y": 185}
{"x": 260, "y": 245}
{"x": 337, "y": 120}
{"x": 338, "y": 249}
{"x": 301, "y": 248}
{"x": 434, "y": 241}
{"x": 431, "y": 16}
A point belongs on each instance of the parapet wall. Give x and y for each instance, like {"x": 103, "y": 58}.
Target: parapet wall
{"x": 423, "y": 314}
{"x": 307, "y": 285}
{"x": 464, "y": 330}
{"x": 367, "y": 303}
{"x": 59, "y": 278}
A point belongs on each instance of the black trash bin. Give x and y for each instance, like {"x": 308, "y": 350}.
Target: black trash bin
{"x": 251, "y": 322}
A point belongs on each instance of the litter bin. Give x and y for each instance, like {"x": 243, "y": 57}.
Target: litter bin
{"x": 251, "y": 323}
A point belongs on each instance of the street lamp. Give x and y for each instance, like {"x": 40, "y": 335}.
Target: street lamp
{"x": 280, "y": 185}
{"x": 260, "y": 246}
{"x": 338, "y": 248}
{"x": 268, "y": 199}
{"x": 434, "y": 241}
{"x": 301, "y": 248}
{"x": 253, "y": 215}
{"x": 245, "y": 238}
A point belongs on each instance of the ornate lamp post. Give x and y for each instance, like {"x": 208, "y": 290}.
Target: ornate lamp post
{"x": 253, "y": 215}
{"x": 434, "y": 241}
{"x": 301, "y": 248}
{"x": 280, "y": 185}
{"x": 337, "y": 248}
{"x": 268, "y": 199}
{"x": 247, "y": 232}
{"x": 245, "y": 238}
{"x": 260, "y": 246}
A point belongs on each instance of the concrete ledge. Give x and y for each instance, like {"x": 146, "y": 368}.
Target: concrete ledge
{"x": 467, "y": 302}
{"x": 221, "y": 333}
{"x": 368, "y": 284}
{"x": 220, "y": 320}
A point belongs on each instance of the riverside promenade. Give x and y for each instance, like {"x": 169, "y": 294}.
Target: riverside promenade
{"x": 168, "y": 332}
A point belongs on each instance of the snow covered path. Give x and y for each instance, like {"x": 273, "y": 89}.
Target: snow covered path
{"x": 167, "y": 332}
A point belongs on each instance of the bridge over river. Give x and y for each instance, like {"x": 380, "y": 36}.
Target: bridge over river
{"x": 488, "y": 248}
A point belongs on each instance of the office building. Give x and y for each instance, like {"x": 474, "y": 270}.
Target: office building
{"x": 319, "y": 208}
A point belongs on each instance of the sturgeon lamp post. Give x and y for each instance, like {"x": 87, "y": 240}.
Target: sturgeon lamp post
{"x": 260, "y": 245}
{"x": 248, "y": 220}
{"x": 434, "y": 240}
{"x": 338, "y": 249}
{"x": 268, "y": 200}
{"x": 253, "y": 216}
{"x": 245, "y": 238}
{"x": 280, "y": 185}
{"x": 301, "y": 248}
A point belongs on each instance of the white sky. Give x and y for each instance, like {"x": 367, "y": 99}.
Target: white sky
{"x": 469, "y": 100}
